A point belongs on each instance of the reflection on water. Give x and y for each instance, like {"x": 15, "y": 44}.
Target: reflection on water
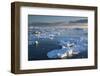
{"x": 69, "y": 43}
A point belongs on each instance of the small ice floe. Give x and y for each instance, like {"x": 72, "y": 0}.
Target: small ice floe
{"x": 36, "y": 42}
{"x": 33, "y": 42}
{"x": 36, "y": 32}
{"x": 51, "y": 36}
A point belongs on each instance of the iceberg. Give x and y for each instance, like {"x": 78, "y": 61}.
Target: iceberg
{"x": 57, "y": 53}
{"x": 68, "y": 50}
{"x": 65, "y": 52}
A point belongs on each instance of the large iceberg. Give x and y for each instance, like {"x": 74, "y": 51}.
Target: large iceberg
{"x": 67, "y": 50}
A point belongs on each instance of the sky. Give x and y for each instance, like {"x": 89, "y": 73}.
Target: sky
{"x": 51, "y": 19}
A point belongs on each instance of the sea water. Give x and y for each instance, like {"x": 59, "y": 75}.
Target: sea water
{"x": 50, "y": 40}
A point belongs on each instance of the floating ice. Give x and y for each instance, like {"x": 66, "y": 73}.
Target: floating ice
{"x": 68, "y": 50}
{"x": 57, "y": 53}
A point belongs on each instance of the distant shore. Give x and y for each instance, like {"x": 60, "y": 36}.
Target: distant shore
{"x": 61, "y": 26}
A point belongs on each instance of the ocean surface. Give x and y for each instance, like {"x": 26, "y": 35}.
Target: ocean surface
{"x": 44, "y": 41}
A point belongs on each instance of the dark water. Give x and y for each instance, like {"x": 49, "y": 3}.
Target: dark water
{"x": 39, "y": 52}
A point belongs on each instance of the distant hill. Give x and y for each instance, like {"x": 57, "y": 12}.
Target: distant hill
{"x": 79, "y": 21}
